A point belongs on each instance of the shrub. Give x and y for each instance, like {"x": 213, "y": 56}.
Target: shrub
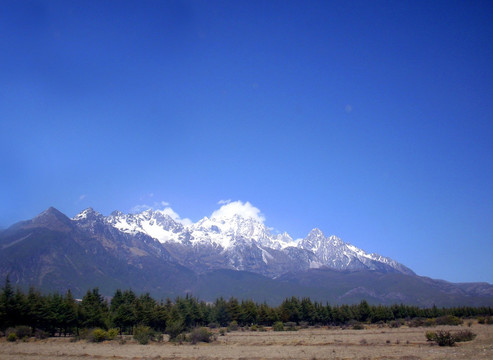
{"x": 396, "y": 323}
{"x": 23, "y": 331}
{"x": 113, "y": 333}
{"x": 201, "y": 335}
{"x": 430, "y": 336}
{"x": 358, "y": 326}
{"x": 291, "y": 326}
{"x": 143, "y": 334}
{"x": 40, "y": 334}
{"x": 12, "y": 337}
{"x": 448, "y": 320}
{"x": 442, "y": 338}
{"x": 430, "y": 322}
{"x": 304, "y": 324}
{"x": 213, "y": 325}
{"x": 84, "y": 333}
{"x": 97, "y": 335}
{"x": 254, "y": 328}
{"x": 174, "y": 328}
{"x": 233, "y": 325}
{"x": 261, "y": 328}
{"x": 222, "y": 331}
{"x": 416, "y": 322}
{"x": 464, "y": 335}
{"x": 180, "y": 338}
{"x": 278, "y": 326}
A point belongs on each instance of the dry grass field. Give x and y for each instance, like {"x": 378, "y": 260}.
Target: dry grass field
{"x": 316, "y": 343}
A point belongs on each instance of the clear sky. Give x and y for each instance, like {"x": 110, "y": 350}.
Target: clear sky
{"x": 371, "y": 120}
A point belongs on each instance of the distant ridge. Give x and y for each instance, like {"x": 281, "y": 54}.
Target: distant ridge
{"x": 218, "y": 256}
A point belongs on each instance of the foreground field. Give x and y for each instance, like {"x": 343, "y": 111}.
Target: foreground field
{"x": 372, "y": 343}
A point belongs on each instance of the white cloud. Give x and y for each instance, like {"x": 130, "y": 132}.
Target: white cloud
{"x": 82, "y": 197}
{"x": 223, "y": 202}
{"x": 246, "y": 210}
{"x": 172, "y": 214}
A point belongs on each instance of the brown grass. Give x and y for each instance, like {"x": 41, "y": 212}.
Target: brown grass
{"x": 370, "y": 344}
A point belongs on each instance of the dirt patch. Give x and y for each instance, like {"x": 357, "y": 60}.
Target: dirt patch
{"x": 369, "y": 344}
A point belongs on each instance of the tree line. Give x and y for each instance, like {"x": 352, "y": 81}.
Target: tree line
{"x": 58, "y": 314}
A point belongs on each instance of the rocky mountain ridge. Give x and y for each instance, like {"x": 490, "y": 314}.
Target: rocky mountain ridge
{"x": 54, "y": 253}
{"x": 240, "y": 242}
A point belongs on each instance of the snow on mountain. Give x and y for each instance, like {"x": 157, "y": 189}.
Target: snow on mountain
{"x": 156, "y": 224}
{"x": 242, "y": 241}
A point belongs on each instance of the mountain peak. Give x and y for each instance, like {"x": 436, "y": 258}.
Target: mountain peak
{"x": 53, "y": 219}
{"x": 316, "y": 232}
{"x": 88, "y": 214}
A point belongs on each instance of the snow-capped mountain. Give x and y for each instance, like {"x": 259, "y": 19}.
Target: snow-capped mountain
{"x": 240, "y": 240}
{"x": 55, "y": 253}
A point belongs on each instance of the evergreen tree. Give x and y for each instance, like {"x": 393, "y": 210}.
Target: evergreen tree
{"x": 248, "y": 313}
{"x": 93, "y": 310}
{"x": 7, "y": 306}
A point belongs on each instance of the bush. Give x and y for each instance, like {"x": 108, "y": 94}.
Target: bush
{"x": 430, "y": 322}
{"x": 12, "y": 337}
{"x": 416, "y": 322}
{"x": 143, "y": 334}
{"x": 396, "y": 323}
{"x": 430, "y": 336}
{"x": 278, "y": 326}
{"x": 174, "y": 328}
{"x": 464, "y": 335}
{"x": 84, "y": 333}
{"x": 222, "y": 331}
{"x": 254, "y": 328}
{"x": 448, "y": 320}
{"x": 291, "y": 326}
{"x": 23, "y": 331}
{"x": 97, "y": 335}
{"x": 112, "y": 333}
{"x": 442, "y": 338}
{"x": 201, "y": 335}
{"x": 213, "y": 325}
{"x": 304, "y": 324}
{"x": 233, "y": 326}
{"x": 358, "y": 326}
{"x": 40, "y": 334}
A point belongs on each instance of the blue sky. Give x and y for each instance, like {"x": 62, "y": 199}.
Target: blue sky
{"x": 370, "y": 120}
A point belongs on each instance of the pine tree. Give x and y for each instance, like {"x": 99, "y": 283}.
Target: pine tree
{"x": 93, "y": 310}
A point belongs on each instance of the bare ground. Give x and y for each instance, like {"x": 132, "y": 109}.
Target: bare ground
{"x": 370, "y": 344}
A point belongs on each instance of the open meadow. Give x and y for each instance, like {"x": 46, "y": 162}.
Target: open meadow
{"x": 373, "y": 342}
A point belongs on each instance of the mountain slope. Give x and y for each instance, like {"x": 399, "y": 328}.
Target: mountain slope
{"x": 53, "y": 252}
{"x": 239, "y": 242}
{"x": 218, "y": 256}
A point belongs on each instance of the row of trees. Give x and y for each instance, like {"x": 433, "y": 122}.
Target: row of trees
{"x": 61, "y": 314}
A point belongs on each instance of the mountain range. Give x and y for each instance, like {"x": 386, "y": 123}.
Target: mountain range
{"x": 231, "y": 253}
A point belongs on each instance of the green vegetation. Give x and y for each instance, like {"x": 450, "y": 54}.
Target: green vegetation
{"x": 278, "y": 326}
{"x": 201, "y": 334}
{"x": 446, "y": 338}
{"x": 96, "y": 318}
